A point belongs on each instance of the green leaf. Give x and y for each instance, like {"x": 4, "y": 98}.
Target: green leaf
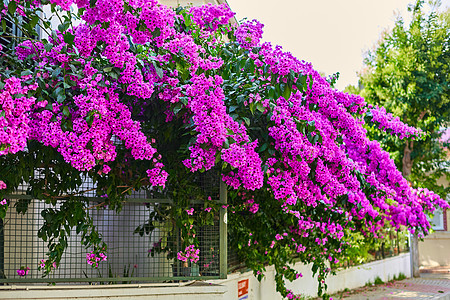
{"x": 232, "y": 108}
{"x": 287, "y": 92}
{"x": 252, "y": 107}
{"x": 66, "y": 111}
{"x": 187, "y": 20}
{"x": 12, "y": 6}
{"x": 315, "y": 139}
{"x": 26, "y": 72}
{"x": 271, "y": 92}
{"x": 260, "y": 107}
{"x": 249, "y": 65}
{"x": 34, "y": 21}
{"x": 302, "y": 79}
{"x": 54, "y": 36}
{"x": 177, "y": 108}
{"x": 156, "y": 32}
{"x": 218, "y": 157}
{"x": 69, "y": 38}
{"x": 226, "y": 144}
{"x": 158, "y": 70}
{"x": 263, "y": 147}
{"x": 48, "y": 47}
{"x": 56, "y": 72}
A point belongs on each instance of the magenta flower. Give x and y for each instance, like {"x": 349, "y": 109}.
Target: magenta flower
{"x": 190, "y": 253}
{"x": 190, "y": 211}
{"x": 23, "y": 271}
{"x": 93, "y": 258}
{"x": 2, "y": 185}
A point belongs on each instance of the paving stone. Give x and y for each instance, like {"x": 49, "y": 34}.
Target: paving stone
{"x": 417, "y": 288}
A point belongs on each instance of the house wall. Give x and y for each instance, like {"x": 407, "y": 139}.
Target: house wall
{"x": 434, "y": 250}
{"x": 218, "y": 289}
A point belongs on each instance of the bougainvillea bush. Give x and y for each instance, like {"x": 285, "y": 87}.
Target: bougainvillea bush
{"x": 132, "y": 94}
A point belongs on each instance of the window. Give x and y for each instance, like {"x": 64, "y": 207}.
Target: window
{"x": 437, "y": 222}
{"x": 9, "y": 29}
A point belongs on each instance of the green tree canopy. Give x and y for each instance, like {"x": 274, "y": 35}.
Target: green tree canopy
{"x": 408, "y": 73}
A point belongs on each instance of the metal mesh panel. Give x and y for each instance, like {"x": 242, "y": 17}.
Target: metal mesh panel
{"x": 129, "y": 252}
{"x": 142, "y": 240}
{"x": 234, "y": 262}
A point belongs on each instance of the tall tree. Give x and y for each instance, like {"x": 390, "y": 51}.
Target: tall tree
{"x": 408, "y": 73}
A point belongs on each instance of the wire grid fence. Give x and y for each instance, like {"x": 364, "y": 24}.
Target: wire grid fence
{"x": 142, "y": 242}
{"x": 234, "y": 262}
{"x": 395, "y": 243}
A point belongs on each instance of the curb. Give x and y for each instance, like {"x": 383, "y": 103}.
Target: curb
{"x": 445, "y": 296}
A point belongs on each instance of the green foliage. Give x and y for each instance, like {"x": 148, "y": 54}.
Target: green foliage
{"x": 365, "y": 249}
{"x": 400, "y": 276}
{"x": 378, "y": 280}
{"x": 408, "y": 73}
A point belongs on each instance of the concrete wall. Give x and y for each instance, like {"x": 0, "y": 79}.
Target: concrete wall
{"x": 307, "y": 285}
{"x": 218, "y": 289}
{"x": 122, "y": 292}
{"x": 435, "y": 249}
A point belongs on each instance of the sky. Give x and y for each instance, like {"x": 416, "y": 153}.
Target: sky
{"x": 332, "y": 34}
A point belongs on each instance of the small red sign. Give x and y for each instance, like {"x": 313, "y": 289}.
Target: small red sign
{"x": 242, "y": 288}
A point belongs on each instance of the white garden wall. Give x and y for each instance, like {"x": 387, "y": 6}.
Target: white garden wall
{"x": 307, "y": 285}
{"x": 225, "y": 289}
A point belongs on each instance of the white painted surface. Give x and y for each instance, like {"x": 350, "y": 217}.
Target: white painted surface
{"x": 218, "y": 289}
{"x": 307, "y": 285}
{"x": 122, "y": 292}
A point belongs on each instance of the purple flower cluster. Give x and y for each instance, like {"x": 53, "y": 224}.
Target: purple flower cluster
{"x": 387, "y": 122}
{"x": 23, "y": 271}
{"x": 190, "y": 253}
{"x": 94, "y": 258}
{"x": 210, "y": 16}
{"x": 88, "y": 144}
{"x": 215, "y": 129}
{"x": 249, "y": 34}
{"x": 15, "y": 109}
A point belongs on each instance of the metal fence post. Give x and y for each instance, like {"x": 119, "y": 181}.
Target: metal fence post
{"x": 223, "y": 265}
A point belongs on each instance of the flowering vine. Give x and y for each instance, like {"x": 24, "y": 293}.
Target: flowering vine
{"x": 133, "y": 94}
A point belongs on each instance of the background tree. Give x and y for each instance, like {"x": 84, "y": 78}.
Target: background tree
{"x": 408, "y": 73}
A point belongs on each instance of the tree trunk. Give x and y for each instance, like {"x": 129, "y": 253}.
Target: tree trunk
{"x": 407, "y": 161}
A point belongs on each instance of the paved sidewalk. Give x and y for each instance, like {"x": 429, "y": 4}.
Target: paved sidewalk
{"x": 431, "y": 285}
